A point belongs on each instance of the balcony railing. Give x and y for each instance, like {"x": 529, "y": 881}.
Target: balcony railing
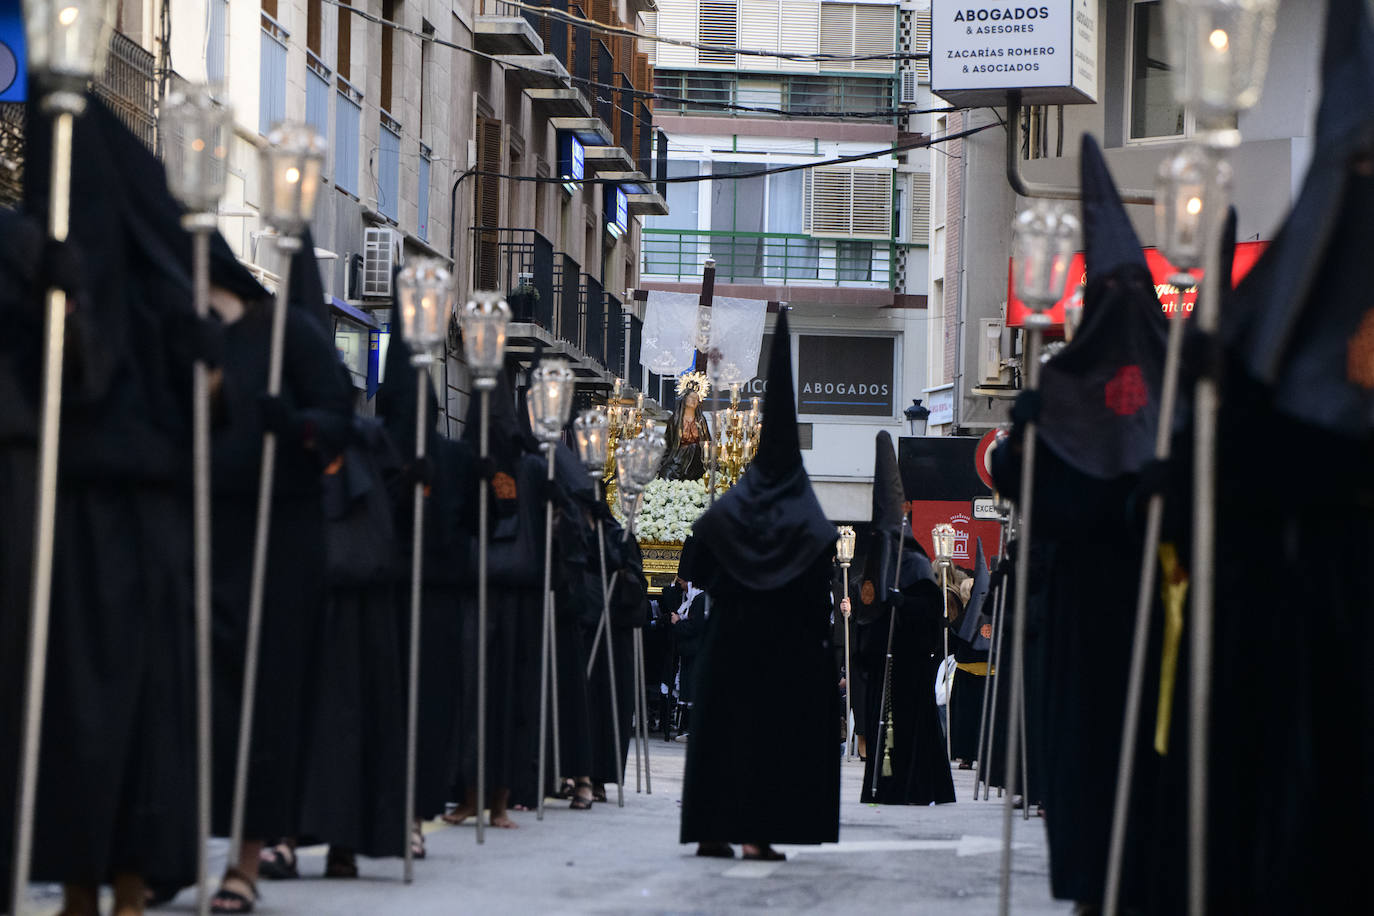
{"x": 593, "y": 318}
{"x": 705, "y": 92}
{"x": 128, "y": 86}
{"x": 520, "y": 264}
{"x": 767, "y": 257}
{"x": 567, "y": 292}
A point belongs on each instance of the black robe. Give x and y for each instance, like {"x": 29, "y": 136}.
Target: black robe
{"x": 116, "y": 773}
{"x": 317, "y": 400}
{"x": 920, "y": 768}
{"x": 762, "y": 766}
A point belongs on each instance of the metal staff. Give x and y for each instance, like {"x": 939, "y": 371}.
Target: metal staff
{"x": 1044, "y": 242}
{"x": 994, "y": 685}
{"x": 195, "y": 124}
{"x": 979, "y": 769}
{"x": 425, "y": 291}
{"x": 942, "y": 541}
{"x": 291, "y": 164}
{"x": 883, "y": 711}
{"x": 844, "y": 550}
{"x": 484, "y": 344}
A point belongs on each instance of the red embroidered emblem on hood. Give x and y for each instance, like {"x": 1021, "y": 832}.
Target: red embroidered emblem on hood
{"x": 1126, "y": 392}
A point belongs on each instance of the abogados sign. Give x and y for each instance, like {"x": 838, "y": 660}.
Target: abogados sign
{"x": 847, "y": 376}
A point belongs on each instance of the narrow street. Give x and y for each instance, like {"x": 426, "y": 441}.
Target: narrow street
{"x": 939, "y": 860}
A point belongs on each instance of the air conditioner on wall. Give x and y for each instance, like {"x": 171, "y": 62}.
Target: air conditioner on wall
{"x": 382, "y": 253}
{"x": 991, "y": 370}
{"x": 908, "y": 87}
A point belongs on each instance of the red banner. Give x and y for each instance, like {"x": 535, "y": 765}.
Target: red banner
{"x": 927, "y": 513}
{"x": 1247, "y": 253}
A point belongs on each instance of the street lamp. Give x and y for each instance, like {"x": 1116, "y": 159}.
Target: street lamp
{"x": 1044, "y": 238}
{"x": 549, "y": 401}
{"x": 290, "y": 166}
{"x": 917, "y": 415}
{"x": 425, "y": 296}
{"x": 66, "y": 44}
{"x": 484, "y": 344}
{"x": 196, "y": 127}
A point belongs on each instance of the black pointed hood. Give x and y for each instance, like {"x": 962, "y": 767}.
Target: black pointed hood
{"x": 769, "y": 528}
{"x": 305, "y": 288}
{"x": 889, "y": 500}
{"x": 1300, "y": 323}
{"x": 779, "y": 451}
{"x": 1100, "y": 394}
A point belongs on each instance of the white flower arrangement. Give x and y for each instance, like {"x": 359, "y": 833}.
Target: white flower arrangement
{"x": 667, "y": 510}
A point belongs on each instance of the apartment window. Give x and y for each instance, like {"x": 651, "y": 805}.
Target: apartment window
{"x": 272, "y": 81}
{"x": 737, "y": 207}
{"x": 426, "y": 61}
{"x": 313, "y": 14}
{"x": 1153, "y": 111}
{"x": 215, "y": 42}
{"x": 422, "y": 227}
{"x": 388, "y": 43}
{"x": 317, "y": 95}
{"x": 343, "y": 60}
{"x": 389, "y": 168}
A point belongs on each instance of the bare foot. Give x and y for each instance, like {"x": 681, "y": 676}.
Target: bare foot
{"x": 79, "y": 900}
{"x": 129, "y": 895}
{"x": 458, "y": 815}
{"x": 503, "y": 821}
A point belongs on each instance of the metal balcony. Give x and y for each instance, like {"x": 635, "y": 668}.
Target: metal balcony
{"x": 501, "y": 28}
{"x": 767, "y": 258}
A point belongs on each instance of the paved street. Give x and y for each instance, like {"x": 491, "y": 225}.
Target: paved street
{"x": 889, "y": 860}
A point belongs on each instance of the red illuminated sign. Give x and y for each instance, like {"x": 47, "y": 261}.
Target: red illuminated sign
{"x": 1247, "y": 253}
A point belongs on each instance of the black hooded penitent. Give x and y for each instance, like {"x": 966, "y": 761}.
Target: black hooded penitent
{"x": 764, "y": 555}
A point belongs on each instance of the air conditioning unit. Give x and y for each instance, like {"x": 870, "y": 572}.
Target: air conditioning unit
{"x": 991, "y": 372}
{"x": 381, "y": 256}
{"x": 908, "y": 87}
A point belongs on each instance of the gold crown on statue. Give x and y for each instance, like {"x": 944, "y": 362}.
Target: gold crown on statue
{"x": 690, "y": 380}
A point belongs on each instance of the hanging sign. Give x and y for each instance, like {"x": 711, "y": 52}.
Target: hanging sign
{"x": 617, "y": 208}
{"x": 572, "y": 160}
{"x": 13, "y": 76}
{"x": 1247, "y": 253}
{"x": 982, "y": 49}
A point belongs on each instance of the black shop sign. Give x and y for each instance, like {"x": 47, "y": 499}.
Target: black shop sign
{"x": 848, "y": 376}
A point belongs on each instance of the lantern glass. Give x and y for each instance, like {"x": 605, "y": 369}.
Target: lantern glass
{"x": 291, "y": 166}
{"x": 629, "y": 506}
{"x": 627, "y": 458}
{"x": 68, "y": 40}
{"x": 425, "y": 295}
{"x": 942, "y": 539}
{"x": 550, "y": 398}
{"x": 591, "y": 431}
{"x": 195, "y": 126}
{"x": 484, "y": 336}
{"x": 645, "y": 468}
{"x": 1042, "y": 247}
{"x": 1221, "y": 47}
{"x": 1183, "y": 185}
{"x": 844, "y": 547}
{"x": 1073, "y": 315}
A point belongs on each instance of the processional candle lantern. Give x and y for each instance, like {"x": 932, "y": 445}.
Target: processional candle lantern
{"x": 196, "y": 128}
{"x": 942, "y": 539}
{"x": 590, "y": 430}
{"x": 291, "y": 165}
{"x": 844, "y": 550}
{"x": 66, "y": 43}
{"x": 549, "y": 402}
{"x": 1183, "y": 185}
{"x": 484, "y": 345}
{"x": 1043, "y": 243}
{"x": 1221, "y": 50}
{"x": 424, "y": 292}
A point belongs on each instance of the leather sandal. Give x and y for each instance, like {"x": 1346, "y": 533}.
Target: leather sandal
{"x": 227, "y": 901}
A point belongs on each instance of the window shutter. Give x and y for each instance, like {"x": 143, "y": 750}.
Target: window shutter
{"x": 875, "y": 32}
{"x": 719, "y": 26}
{"x": 799, "y": 33}
{"x": 676, "y": 19}
{"x": 837, "y": 34}
{"x": 920, "y": 40}
{"x": 920, "y": 208}
{"x": 488, "y": 204}
{"x": 849, "y": 203}
{"x": 650, "y": 28}
{"x": 758, "y": 31}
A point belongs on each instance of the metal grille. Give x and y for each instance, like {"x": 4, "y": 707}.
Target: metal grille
{"x": 128, "y": 86}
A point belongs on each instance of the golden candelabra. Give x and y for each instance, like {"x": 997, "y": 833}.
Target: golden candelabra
{"x": 735, "y": 437}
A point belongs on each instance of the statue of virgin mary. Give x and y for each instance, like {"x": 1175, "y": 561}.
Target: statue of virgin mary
{"x": 689, "y": 436}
